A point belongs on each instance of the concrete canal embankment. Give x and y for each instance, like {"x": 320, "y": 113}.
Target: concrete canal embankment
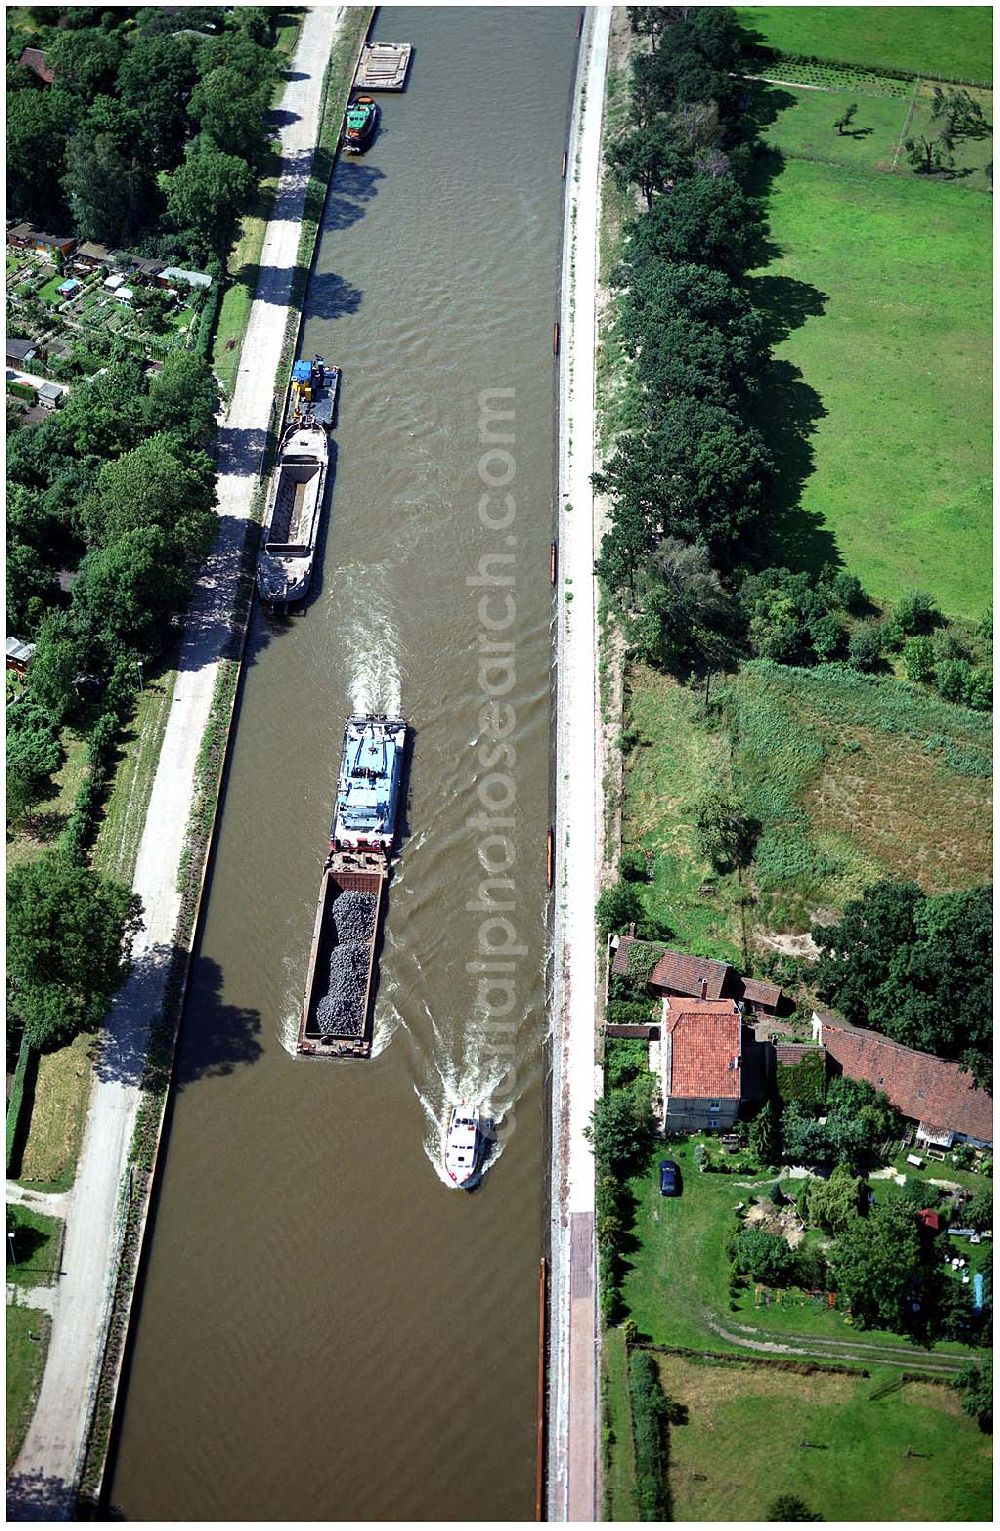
{"x": 573, "y": 1459}
{"x": 65, "y": 1448}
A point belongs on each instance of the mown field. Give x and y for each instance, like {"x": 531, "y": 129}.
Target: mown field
{"x": 881, "y": 427}
{"x": 27, "y": 1343}
{"x": 953, "y": 41}
{"x": 909, "y": 1455}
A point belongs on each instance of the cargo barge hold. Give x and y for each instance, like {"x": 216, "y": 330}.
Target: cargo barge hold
{"x": 337, "y": 1011}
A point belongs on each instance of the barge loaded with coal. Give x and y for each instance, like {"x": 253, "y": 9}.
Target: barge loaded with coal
{"x": 337, "y": 1020}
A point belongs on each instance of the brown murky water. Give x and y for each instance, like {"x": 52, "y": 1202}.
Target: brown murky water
{"x": 326, "y": 1331}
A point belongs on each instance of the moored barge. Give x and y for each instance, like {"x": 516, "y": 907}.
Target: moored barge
{"x": 291, "y": 521}
{"x": 337, "y": 1019}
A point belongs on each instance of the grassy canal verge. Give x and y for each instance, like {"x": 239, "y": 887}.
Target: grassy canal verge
{"x": 27, "y": 1345}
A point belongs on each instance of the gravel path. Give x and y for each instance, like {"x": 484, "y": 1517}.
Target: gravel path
{"x": 573, "y": 1369}
{"x": 53, "y": 1448}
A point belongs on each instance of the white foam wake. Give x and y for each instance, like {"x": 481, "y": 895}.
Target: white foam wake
{"x": 447, "y": 1085}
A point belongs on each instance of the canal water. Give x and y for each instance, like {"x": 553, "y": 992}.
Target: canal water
{"x": 326, "y": 1331}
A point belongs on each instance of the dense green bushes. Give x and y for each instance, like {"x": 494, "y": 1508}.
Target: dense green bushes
{"x": 916, "y": 967}
{"x": 649, "y": 1411}
{"x": 804, "y": 1081}
{"x": 69, "y": 936}
{"x": 124, "y": 141}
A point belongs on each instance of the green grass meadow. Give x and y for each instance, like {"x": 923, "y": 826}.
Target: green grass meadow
{"x": 670, "y": 758}
{"x": 882, "y": 284}
{"x": 755, "y": 1431}
{"x": 27, "y": 1343}
{"x": 954, "y": 41}
{"x": 852, "y": 778}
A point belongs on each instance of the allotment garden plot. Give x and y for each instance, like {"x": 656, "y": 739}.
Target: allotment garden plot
{"x": 75, "y": 313}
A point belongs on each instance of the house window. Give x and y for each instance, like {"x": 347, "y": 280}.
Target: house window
{"x": 713, "y": 1105}
{"x": 713, "y": 1121}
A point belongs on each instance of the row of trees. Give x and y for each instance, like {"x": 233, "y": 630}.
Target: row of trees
{"x": 689, "y": 479}
{"x": 690, "y": 476}
{"x": 148, "y": 135}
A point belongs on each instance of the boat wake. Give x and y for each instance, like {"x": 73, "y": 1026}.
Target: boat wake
{"x": 388, "y": 1016}
{"x": 375, "y": 681}
{"x": 450, "y": 1086}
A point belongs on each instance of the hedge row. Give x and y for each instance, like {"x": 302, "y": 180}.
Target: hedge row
{"x": 83, "y": 820}
{"x": 887, "y": 71}
{"x": 207, "y": 320}
{"x": 22, "y": 1092}
{"x": 649, "y": 1408}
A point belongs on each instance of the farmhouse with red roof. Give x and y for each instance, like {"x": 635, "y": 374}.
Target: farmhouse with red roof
{"x": 701, "y": 1046}
{"x": 939, "y": 1096}
{"x": 700, "y": 978}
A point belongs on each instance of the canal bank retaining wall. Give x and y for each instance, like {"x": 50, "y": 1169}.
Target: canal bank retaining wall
{"x": 137, "y": 1192}
{"x": 573, "y": 1489}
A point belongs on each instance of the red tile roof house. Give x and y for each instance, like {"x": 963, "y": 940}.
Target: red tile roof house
{"x": 702, "y": 978}
{"x": 936, "y": 1094}
{"x": 701, "y": 1044}
{"x": 34, "y": 59}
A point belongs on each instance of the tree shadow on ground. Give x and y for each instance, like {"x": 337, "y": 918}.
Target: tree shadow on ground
{"x": 787, "y": 414}
{"x": 26, "y": 1242}
{"x": 215, "y": 1037}
{"x": 785, "y": 303}
{"x": 765, "y": 104}
{"x": 329, "y": 295}
{"x": 41, "y": 825}
{"x": 280, "y": 118}
{"x": 36, "y": 1496}
{"x": 798, "y": 538}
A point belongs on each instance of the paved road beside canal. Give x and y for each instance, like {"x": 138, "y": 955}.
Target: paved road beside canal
{"x": 575, "y": 1330}
{"x": 51, "y": 1457}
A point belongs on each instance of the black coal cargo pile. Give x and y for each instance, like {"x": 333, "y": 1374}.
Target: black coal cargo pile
{"x": 341, "y": 1011}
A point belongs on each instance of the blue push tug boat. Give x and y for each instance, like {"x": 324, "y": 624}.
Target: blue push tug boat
{"x": 368, "y": 789}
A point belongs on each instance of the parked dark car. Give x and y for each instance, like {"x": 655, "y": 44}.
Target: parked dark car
{"x": 670, "y": 1178}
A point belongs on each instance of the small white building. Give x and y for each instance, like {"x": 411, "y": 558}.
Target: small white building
{"x": 112, "y": 283}
{"x": 124, "y": 295}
